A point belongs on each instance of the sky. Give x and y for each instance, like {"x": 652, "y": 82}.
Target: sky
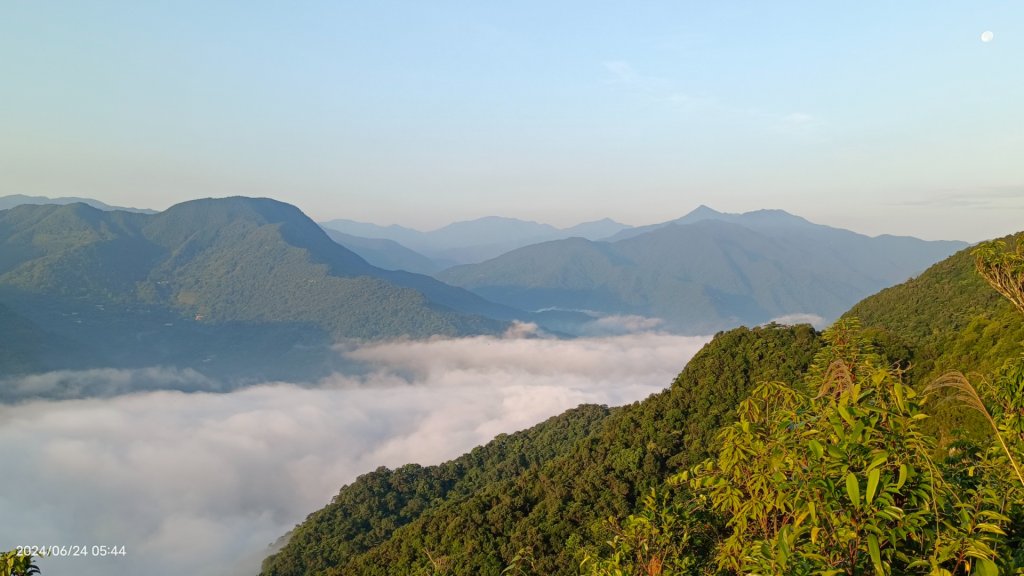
{"x": 876, "y": 116}
{"x": 203, "y": 483}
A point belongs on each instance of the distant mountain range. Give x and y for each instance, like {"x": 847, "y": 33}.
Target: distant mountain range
{"x": 235, "y": 287}
{"x": 705, "y": 271}
{"x": 248, "y": 289}
{"x": 475, "y": 240}
{"x": 387, "y": 254}
{"x": 20, "y": 199}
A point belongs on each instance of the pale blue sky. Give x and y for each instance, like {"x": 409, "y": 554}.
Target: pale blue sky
{"x": 883, "y": 117}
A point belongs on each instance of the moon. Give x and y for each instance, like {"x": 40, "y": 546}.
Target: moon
{"x": 987, "y": 36}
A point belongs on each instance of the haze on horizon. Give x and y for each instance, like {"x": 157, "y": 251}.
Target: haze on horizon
{"x": 875, "y": 117}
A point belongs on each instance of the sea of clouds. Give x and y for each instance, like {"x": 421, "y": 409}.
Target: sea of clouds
{"x": 202, "y": 482}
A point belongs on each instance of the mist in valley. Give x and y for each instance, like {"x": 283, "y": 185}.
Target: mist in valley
{"x": 196, "y": 481}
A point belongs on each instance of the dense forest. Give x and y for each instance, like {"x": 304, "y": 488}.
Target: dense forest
{"x": 238, "y": 289}
{"x": 892, "y": 443}
{"x": 559, "y": 482}
{"x": 777, "y": 450}
{"x": 704, "y": 272}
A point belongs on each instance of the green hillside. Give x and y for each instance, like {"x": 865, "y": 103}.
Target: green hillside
{"x": 368, "y": 512}
{"x": 705, "y": 272}
{"x": 856, "y": 394}
{"x": 584, "y": 479}
{"x": 947, "y": 318}
{"x": 239, "y": 287}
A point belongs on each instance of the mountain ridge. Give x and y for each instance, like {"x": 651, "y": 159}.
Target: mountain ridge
{"x": 553, "y": 514}
{"x": 706, "y": 273}
{"x": 386, "y": 254}
{"x": 13, "y": 200}
{"x": 584, "y": 478}
{"x": 208, "y": 271}
{"x": 474, "y": 240}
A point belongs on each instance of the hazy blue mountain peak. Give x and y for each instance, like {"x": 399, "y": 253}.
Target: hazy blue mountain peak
{"x": 773, "y": 217}
{"x": 7, "y": 202}
{"x": 469, "y": 241}
{"x": 701, "y": 212}
{"x": 386, "y": 254}
{"x": 492, "y": 227}
{"x": 764, "y": 216}
{"x": 704, "y": 272}
{"x": 763, "y": 219}
{"x": 597, "y": 229}
{"x": 495, "y": 220}
{"x": 267, "y": 209}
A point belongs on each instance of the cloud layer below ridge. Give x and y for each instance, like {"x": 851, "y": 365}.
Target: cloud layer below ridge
{"x": 201, "y": 483}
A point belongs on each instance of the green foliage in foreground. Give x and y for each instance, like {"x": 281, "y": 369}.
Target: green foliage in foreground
{"x": 836, "y": 474}
{"x": 1003, "y": 268}
{"x": 836, "y": 477}
{"x": 12, "y": 564}
{"x": 946, "y": 319}
{"x": 666, "y": 538}
{"x": 848, "y": 431}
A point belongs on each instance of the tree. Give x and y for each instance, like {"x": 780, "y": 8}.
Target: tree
{"x": 1003, "y": 267}
{"x": 844, "y": 481}
{"x": 834, "y": 475}
{"x": 666, "y": 538}
{"x": 14, "y": 564}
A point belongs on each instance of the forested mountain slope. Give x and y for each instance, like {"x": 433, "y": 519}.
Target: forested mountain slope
{"x": 368, "y": 512}
{"x": 706, "y": 271}
{"x": 947, "y": 318}
{"x": 240, "y": 287}
{"x": 586, "y": 479}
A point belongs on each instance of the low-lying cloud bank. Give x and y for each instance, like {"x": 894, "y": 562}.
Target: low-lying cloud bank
{"x": 201, "y": 483}
{"x": 67, "y": 384}
{"x": 801, "y": 318}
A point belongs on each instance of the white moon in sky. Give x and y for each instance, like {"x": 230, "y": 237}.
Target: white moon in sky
{"x": 987, "y": 36}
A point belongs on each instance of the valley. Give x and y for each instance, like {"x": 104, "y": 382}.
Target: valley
{"x": 242, "y": 311}
{"x": 511, "y": 289}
